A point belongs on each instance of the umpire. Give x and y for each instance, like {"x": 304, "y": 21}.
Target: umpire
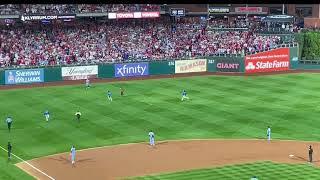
{"x": 78, "y": 115}
{"x": 310, "y": 154}
{"x": 9, "y": 122}
{"x": 9, "y": 150}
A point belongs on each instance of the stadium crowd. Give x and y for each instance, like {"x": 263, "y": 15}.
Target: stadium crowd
{"x": 18, "y": 9}
{"x": 115, "y": 41}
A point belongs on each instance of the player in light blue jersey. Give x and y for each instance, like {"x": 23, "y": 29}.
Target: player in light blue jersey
{"x": 47, "y": 115}
{"x": 73, "y": 155}
{"x": 269, "y": 133}
{"x": 151, "y": 138}
{"x": 184, "y": 95}
{"x": 109, "y": 94}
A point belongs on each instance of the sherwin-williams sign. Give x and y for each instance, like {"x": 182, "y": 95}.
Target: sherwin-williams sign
{"x": 227, "y": 65}
{"x": 131, "y": 69}
{"x": 269, "y": 61}
{"x": 79, "y": 72}
{"x": 188, "y": 66}
{"x": 24, "y": 76}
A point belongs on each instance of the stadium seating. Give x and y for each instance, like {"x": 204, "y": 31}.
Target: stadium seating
{"x": 90, "y": 42}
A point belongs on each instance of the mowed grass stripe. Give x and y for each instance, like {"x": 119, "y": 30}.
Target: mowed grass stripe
{"x": 263, "y": 170}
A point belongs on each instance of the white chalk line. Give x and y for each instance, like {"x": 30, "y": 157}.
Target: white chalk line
{"x": 29, "y": 164}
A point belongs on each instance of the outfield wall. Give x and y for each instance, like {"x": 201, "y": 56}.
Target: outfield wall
{"x": 281, "y": 59}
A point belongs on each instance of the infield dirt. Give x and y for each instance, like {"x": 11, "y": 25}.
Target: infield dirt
{"x": 117, "y": 162}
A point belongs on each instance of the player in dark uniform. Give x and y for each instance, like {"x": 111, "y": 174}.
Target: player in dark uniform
{"x": 121, "y": 91}
{"x": 9, "y": 150}
{"x": 310, "y": 154}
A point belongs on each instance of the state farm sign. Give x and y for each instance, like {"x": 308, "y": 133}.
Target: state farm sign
{"x": 270, "y": 61}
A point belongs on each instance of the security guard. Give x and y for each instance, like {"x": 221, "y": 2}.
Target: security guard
{"x": 310, "y": 154}
{"x": 9, "y": 150}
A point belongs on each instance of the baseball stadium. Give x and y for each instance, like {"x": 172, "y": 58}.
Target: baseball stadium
{"x": 159, "y": 91}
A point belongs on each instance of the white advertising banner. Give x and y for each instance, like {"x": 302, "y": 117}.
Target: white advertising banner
{"x": 188, "y": 66}
{"x": 79, "y": 72}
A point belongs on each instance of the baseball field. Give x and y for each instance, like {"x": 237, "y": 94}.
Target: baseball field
{"x": 218, "y": 134}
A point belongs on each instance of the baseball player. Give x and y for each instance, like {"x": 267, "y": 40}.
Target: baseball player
{"x": 184, "y": 95}
{"x": 121, "y": 91}
{"x": 151, "y": 138}
{"x": 109, "y": 94}
{"x": 9, "y": 122}
{"x": 73, "y": 154}
{"x": 87, "y": 83}
{"x": 9, "y": 150}
{"x": 310, "y": 154}
{"x": 78, "y": 115}
{"x": 47, "y": 115}
{"x": 269, "y": 133}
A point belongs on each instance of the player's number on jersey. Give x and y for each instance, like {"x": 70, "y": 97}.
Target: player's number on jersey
{"x": 171, "y": 63}
{"x": 211, "y": 61}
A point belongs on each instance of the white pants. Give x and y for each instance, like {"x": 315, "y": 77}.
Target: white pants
{"x": 110, "y": 98}
{"x": 184, "y": 97}
{"x": 151, "y": 141}
{"x": 269, "y": 137}
{"x": 47, "y": 117}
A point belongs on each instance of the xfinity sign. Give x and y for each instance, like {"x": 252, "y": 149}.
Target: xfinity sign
{"x": 131, "y": 69}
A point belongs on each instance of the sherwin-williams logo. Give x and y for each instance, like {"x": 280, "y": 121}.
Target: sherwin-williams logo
{"x": 24, "y": 76}
{"x": 131, "y": 69}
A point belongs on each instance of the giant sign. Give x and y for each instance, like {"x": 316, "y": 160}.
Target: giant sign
{"x": 79, "y": 72}
{"x": 131, "y": 69}
{"x": 187, "y": 66}
{"x": 269, "y": 61}
{"x": 226, "y": 65}
{"x": 22, "y": 76}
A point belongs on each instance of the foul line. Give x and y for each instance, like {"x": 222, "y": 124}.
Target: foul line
{"x": 29, "y": 164}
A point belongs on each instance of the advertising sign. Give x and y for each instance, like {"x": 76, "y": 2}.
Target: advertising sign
{"x": 79, "y": 72}
{"x": 45, "y": 17}
{"x": 227, "y": 65}
{"x": 248, "y": 9}
{"x": 131, "y": 69}
{"x": 187, "y": 66}
{"x": 24, "y": 76}
{"x": 218, "y": 10}
{"x": 177, "y": 12}
{"x": 137, "y": 15}
{"x": 269, "y": 61}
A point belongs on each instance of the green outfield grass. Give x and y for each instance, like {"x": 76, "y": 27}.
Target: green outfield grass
{"x": 262, "y": 170}
{"x": 219, "y": 107}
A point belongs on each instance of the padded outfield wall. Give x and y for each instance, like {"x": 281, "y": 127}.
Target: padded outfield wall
{"x": 281, "y": 59}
